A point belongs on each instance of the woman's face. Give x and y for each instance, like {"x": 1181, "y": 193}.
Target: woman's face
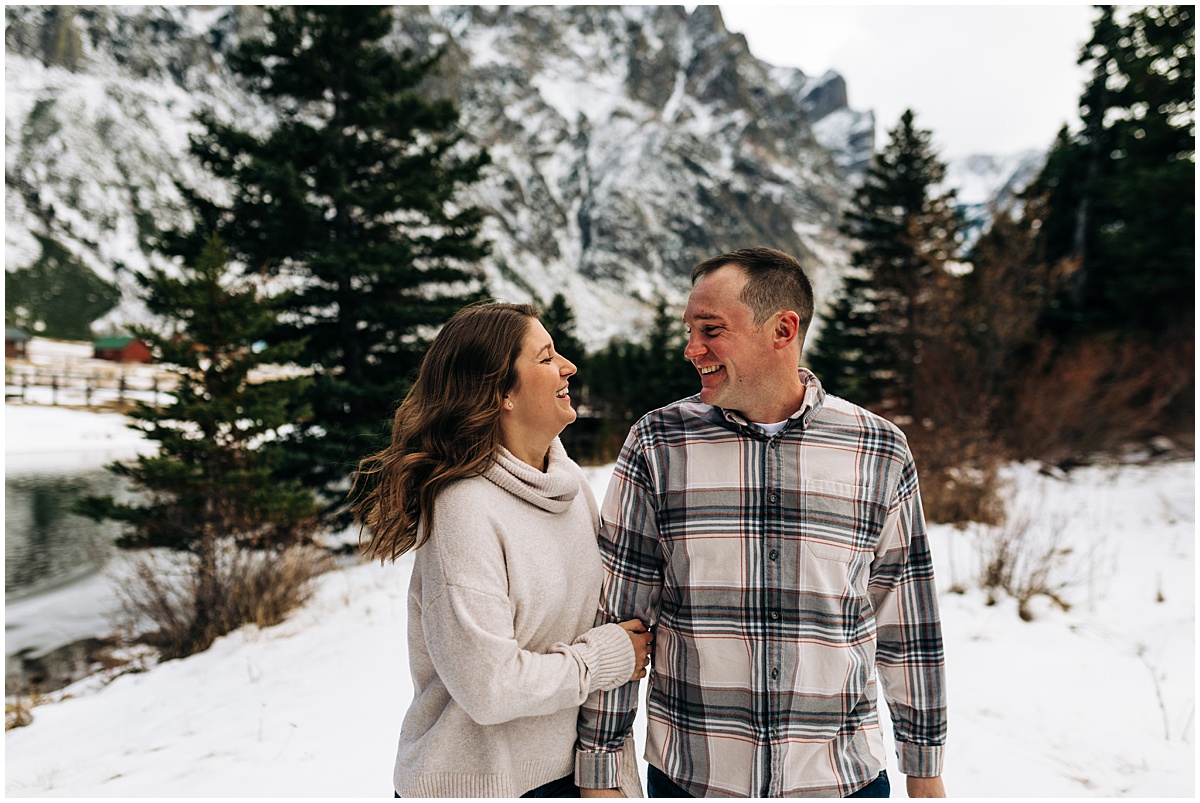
{"x": 539, "y": 406}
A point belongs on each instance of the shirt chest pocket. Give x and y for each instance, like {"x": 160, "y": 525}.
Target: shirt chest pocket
{"x": 839, "y": 529}
{"x": 840, "y": 522}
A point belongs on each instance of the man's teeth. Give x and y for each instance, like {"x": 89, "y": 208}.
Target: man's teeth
{"x": 709, "y": 369}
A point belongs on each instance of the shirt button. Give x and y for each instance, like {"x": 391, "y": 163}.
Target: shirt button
{"x": 774, "y": 554}
{"x": 774, "y": 498}
{"x": 774, "y": 674}
{"x": 774, "y": 444}
{"x": 774, "y": 614}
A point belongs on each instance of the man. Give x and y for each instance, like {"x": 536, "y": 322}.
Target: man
{"x": 773, "y": 537}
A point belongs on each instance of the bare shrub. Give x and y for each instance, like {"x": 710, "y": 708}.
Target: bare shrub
{"x": 18, "y": 712}
{"x": 1028, "y": 557}
{"x": 951, "y": 439}
{"x": 191, "y": 601}
{"x": 1099, "y": 394}
{"x": 960, "y": 495}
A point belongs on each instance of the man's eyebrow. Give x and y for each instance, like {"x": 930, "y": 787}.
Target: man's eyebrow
{"x": 704, "y": 316}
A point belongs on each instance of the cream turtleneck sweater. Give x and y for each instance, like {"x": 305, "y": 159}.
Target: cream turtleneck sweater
{"x": 500, "y": 639}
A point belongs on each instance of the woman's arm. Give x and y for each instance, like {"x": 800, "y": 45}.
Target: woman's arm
{"x": 469, "y": 631}
{"x": 469, "y": 634}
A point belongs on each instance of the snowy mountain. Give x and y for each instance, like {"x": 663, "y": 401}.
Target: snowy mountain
{"x": 628, "y": 143}
{"x": 988, "y": 184}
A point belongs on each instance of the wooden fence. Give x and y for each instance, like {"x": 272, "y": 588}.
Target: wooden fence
{"x": 86, "y": 385}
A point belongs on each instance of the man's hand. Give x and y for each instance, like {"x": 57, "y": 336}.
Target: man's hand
{"x": 641, "y": 638}
{"x": 925, "y": 787}
{"x": 599, "y": 792}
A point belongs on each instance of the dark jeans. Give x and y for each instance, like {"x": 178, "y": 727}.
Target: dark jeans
{"x": 563, "y": 787}
{"x": 880, "y": 787}
{"x": 659, "y": 785}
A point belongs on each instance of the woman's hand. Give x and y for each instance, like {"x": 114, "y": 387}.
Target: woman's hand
{"x": 641, "y": 638}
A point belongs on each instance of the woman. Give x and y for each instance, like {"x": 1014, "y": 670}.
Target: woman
{"x": 507, "y": 573}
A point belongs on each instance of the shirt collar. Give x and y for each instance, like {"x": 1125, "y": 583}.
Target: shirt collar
{"x": 814, "y": 400}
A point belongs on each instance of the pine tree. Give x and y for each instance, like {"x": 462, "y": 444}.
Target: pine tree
{"x": 1148, "y": 235}
{"x": 1119, "y": 196}
{"x": 211, "y": 479}
{"x": 1053, "y": 198}
{"x": 1094, "y": 146}
{"x": 842, "y": 356}
{"x": 559, "y": 320}
{"x": 349, "y": 197}
{"x": 628, "y": 378}
{"x": 631, "y": 378}
{"x": 613, "y": 373}
{"x": 667, "y": 376}
{"x": 211, "y": 490}
{"x": 905, "y": 234}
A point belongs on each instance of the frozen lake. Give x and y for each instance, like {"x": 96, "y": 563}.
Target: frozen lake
{"x": 46, "y": 545}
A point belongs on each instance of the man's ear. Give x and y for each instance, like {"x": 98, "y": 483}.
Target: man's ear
{"x": 787, "y": 329}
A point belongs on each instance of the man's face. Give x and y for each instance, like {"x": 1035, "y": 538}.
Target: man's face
{"x": 734, "y": 357}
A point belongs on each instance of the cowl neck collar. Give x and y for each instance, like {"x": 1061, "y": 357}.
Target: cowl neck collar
{"x": 552, "y": 490}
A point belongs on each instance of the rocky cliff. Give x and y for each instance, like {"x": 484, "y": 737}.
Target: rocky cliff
{"x": 628, "y": 142}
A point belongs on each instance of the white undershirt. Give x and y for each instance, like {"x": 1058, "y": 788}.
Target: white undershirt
{"x": 771, "y": 429}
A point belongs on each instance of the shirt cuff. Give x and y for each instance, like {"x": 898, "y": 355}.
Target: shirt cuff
{"x": 598, "y": 770}
{"x": 920, "y": 761}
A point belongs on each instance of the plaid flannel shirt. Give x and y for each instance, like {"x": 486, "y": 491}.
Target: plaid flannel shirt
{"x": 780, "y": 574}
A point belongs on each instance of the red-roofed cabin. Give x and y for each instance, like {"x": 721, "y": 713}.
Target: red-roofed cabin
{"x": 15, "y": 343}
{"x": 121, "y": 349}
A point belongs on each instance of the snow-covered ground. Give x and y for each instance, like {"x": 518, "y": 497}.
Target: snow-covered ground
{"x": 1097, "y": 701}
{"x": 40, "y": 439}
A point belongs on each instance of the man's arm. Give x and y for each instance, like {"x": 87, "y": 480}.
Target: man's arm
{"x": 632, "y": 589}
{"x": 909, "y": 654}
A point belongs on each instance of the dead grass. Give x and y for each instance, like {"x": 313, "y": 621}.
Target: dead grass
{"x": 182, "y": 610}
{"x": 1027, "y": 557}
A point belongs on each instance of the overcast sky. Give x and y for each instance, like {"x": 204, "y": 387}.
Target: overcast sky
{"x": 984, "y": 79}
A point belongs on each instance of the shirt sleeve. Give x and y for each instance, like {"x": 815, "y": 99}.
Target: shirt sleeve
{"x": 632, "y": 589}
{"x": 468, "y": 625}
{"x": 909, "y": 654}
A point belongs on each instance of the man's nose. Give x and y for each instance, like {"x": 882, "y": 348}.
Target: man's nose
{"x": 694, "y": 348}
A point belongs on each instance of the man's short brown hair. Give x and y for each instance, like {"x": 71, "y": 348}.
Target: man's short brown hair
{"x": 774, "y": 282}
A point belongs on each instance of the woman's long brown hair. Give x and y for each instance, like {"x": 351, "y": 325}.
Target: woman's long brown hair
{"x": 447, "y": 428}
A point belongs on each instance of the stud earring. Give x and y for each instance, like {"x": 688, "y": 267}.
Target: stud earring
{"x": 510, "y": 405}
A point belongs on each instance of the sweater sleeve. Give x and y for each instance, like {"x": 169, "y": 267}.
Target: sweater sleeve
{"x": 467, "y": 619}
{"x": 472, "y": 647}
